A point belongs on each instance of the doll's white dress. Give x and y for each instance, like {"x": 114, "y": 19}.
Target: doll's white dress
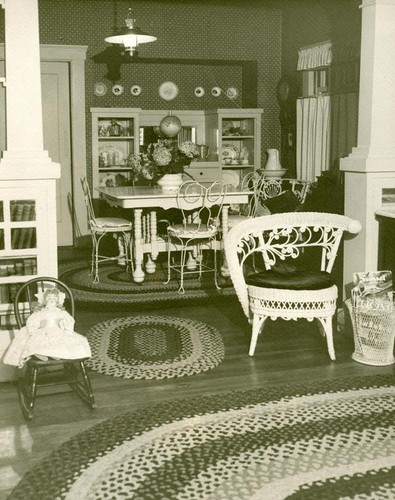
{"x": 48, "y": 332}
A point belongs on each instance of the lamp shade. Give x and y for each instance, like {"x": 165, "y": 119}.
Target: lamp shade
{"x": 130, "y": 36}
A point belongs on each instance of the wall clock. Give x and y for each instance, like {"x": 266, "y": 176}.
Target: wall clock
{"x": 283, "y": 91}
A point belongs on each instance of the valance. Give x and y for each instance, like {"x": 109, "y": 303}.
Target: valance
{"x": 315, "y": 56}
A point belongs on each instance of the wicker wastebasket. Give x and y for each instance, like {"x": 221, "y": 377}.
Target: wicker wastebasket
{"x": 374, "y": 332}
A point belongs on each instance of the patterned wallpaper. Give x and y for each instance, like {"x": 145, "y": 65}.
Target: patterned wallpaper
{"x": 230, "y": 30}
{"x": 224, "y": 31}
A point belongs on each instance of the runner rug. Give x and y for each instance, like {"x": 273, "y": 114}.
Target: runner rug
{"x": 117, "y": 290}
{"x": 322, "y": 440}
{"x": 154, "y": 347}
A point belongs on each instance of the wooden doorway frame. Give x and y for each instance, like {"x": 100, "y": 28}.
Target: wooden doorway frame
{"x": 75, "y": 56}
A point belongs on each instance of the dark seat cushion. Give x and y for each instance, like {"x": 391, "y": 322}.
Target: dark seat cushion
{"x": 284, "y": 202}
{"x": 291, "y": 280}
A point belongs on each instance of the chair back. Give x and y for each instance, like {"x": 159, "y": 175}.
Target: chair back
{"x": 252, "y": 182}
{"x": 201, "y": 204}
{"x": 88, "y": 200}
{"x": 26, "y": 302}
{"x": 283, "y": 237}
{"x": 269, "y": 188}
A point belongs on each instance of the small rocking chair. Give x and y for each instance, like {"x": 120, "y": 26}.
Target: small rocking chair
{"x": 46, "y": 373}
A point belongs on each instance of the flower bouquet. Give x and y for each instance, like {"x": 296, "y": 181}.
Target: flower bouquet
{"x": 162, "y": 157}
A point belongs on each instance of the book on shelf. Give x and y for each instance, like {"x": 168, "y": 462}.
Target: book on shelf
{"x": 4, "y": 294}
{"x": 15, "y": 237}
{"x": 23, "y": 210}
{"x": 26, "y": 237}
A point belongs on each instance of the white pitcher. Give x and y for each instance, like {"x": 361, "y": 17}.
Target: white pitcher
{"x": 273, "y": 160}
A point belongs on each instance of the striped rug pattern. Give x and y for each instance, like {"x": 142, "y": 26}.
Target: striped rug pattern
{"x": 324, "y": 440}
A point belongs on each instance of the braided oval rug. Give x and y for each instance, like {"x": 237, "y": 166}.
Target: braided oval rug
{"x": 323, "y": 440}
{"x": 154, "y": 347}
{"x": 117, "y": 290}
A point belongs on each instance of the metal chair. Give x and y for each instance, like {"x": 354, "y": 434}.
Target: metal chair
{"x": 39, "y": 373}
{"x": 201, "y": 210}
{"x": 270, "y": 188}
{"x": 251, "y": 182}
{"x": 297, "y": 251}
{"x": 102, "y": 226}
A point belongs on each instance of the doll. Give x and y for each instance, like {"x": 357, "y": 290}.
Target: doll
{"x": 49, "y": 333}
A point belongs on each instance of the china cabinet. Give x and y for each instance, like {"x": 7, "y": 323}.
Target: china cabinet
{"x": 115, "y": 135}
{"x": 237, "y": 133}
{"x": 229, "y": 139}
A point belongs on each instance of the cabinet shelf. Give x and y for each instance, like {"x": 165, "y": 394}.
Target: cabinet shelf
{"x": 116, "y": 138}
{"x": 115, "y": 168}
{"x": 237, "y": 137}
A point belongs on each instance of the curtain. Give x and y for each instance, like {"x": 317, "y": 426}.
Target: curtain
{"x": 314, "y": 57}
{"x": 312, "y": 137}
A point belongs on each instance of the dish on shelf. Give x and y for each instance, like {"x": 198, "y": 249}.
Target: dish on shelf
{"x": 216, "y": 91}
{"x": 135, "y": 90}
{"x": 117, "y": 89}
{"x": 232, "y": 92}
{"x": 229, "y": 151}
{"x": 100, "y": 89}
{"x": 168, "y": 91}
{"x": 230, "y": 178}
{"x": 110, "y": 156}
{"x": 114, "y": 179}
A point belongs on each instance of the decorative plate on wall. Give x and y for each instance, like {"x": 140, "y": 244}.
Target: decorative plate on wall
{"x": 117, "y": 89}
{"x": 135, "y": 90}
{"x": 199, "y": 91}
{"x": 168, "y": 91}
{"x": 232, "y": 93}
{"x": 100, "y": 89}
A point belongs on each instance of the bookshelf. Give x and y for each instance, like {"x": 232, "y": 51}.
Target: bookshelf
{"x": 18, "y": 243}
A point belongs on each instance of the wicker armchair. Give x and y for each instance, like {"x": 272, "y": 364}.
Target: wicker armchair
{"x": 281, "y": 264}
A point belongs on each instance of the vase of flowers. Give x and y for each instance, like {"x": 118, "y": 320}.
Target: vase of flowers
{"x": 170, "y": 182}
{"x": 162, "y": 159}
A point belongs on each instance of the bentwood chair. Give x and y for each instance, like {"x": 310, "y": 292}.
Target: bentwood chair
{"x": 200, "y": 207}
{"x": 297, "y": 251}
{"x": 52, "y": 372}
{"x": 102, "y": 226}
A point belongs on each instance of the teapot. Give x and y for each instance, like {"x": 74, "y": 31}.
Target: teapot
{"x": 273, "y": 160}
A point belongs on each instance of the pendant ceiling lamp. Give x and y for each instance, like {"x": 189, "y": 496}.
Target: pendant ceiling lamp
{"x": 131, "y": 36}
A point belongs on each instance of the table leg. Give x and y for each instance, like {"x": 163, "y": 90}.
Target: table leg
{"x": 224, "y": 267}
{"x": 138, "y": 273}
{"x": 150, "y": 266}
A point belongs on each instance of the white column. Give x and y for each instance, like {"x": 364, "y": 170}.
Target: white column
{"x": 23, "y": 80}
{"x": 371, "y": 165}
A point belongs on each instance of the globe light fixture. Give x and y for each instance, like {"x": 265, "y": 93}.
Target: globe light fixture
{"x": 170, "y": 125}
{"x": 131, "y": 36}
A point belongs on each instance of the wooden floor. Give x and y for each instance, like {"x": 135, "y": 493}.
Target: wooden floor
{"x": 286, "y": 352}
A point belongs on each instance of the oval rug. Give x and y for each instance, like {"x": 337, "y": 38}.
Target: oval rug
{"x": 154, "y": 347}
{"x": 315, "y": 440}
{"x": 117, "y": 290}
